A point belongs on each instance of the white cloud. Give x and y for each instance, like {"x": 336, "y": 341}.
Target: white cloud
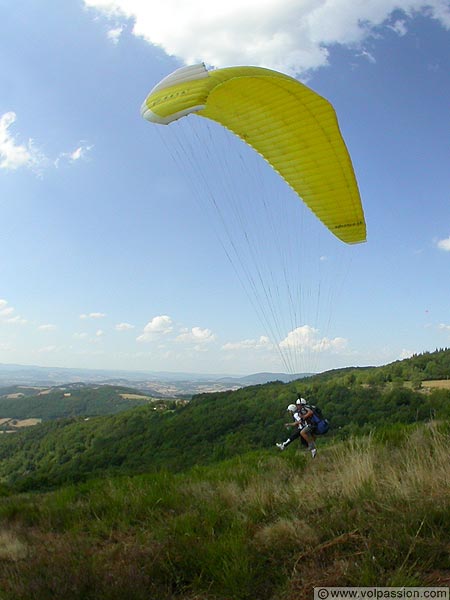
{"x": 93, "y": 315}
{"x": 400, "y": 27}
{"x": 123, "y": 327}
{"x": 368, "y": 55}
{"x": 114, "y": 34}
{"x": 14, "y": 155}
{"x": 7, "y": 314}
{"x": 444, "y": 327}
{"x": 47, "y": 349}
{"x": 196, "y": 335}
{"x": 280, "y": 34}
{"x": 444, "y": 244}
{"x": 79, "y": 153}
{"x": 158, "y": 326}
{"x": 307, "y": 339}
{"x": 262, "y": 343}
{"x": 17, "y": 320}
{"x": 93, "y": 338}
{"x": 47, "y": 327}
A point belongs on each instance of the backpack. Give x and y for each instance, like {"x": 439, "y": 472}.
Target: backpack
{"x": 318, "y": 421}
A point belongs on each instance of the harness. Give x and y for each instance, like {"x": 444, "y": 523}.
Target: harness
{"x": 318, "y": 423}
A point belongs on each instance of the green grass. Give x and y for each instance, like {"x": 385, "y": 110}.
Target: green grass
{"x": 370, "y": 511}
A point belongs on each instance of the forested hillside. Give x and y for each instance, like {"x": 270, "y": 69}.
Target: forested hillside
{"x": 418, "y": 368}
{"x": 68, "y": 402}
{"x": 195, "y": 502}
{"x": 210, "y": 428}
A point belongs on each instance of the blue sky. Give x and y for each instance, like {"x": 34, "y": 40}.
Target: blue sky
{"x": 113, "y": 254}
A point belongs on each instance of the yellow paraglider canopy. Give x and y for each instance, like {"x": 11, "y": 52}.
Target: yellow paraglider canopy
{"x": 292, "y": 127}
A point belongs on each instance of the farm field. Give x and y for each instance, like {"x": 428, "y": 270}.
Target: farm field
{"x": 443, "y": 384}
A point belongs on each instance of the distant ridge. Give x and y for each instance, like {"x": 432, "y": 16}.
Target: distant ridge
{"x": 159, "y": 383}
{"x": 261, "y": 378}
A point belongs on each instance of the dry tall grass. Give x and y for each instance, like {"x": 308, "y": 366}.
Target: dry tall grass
{"x": 11, "y": 547}
{"x": 418, "y": 468}
{"x": 266, "y": 526}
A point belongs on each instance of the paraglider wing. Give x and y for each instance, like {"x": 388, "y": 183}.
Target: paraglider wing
{"x": 292, "y": 127}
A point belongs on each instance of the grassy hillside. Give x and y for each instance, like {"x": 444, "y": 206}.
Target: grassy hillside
{"x": 211, "y": 427}
{"x": 369, "y": 511}
{"x": 195, "y": 503}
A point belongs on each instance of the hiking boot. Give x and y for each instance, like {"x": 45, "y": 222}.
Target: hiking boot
{"x": 280, "y": 446}
{"x": 313, "y": 452}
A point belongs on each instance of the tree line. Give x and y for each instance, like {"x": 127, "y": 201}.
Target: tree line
{"x": 210, "y": 428}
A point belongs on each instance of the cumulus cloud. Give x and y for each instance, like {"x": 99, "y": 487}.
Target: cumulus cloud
{"x": 444, "y": 244}
{"x": 280, "y": 34}
{"x": 307, "y": 339}
{"x": 124, "y": 327}
{"x": 262, "y": 343}
{"x": 157, "y": 327}
{"x": 93, "y": 315}
{"x": 8, "y": 314}
{"x": 15, "y": 155}
{"x": 196, "y": 335}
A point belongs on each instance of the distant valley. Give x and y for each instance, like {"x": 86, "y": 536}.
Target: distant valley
{"x": 159, "y": 384}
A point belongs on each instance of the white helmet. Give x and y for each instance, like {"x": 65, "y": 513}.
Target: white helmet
{"x": 301, "y": 401}
{"x": 291, "y": 408}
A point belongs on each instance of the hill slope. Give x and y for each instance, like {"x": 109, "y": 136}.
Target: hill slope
{"x": 69, "y": 401}
{"x": 209, "y": 428}
{"x": 261, "y": 525}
